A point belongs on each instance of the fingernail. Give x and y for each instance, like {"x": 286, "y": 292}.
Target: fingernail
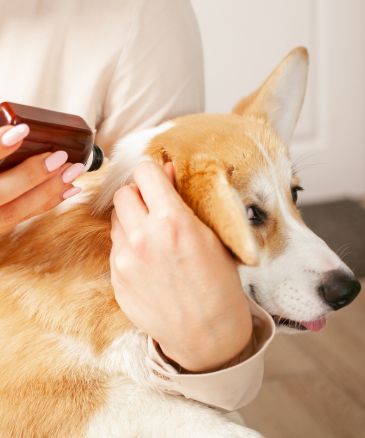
{"x": 72, "y": 172}
{"x": 71, "y": 192}
{"x": 56, "y": 160}
{"x": 11, "y": 137}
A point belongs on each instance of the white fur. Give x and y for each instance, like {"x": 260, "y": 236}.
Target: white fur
{"x": 134, "y": 406}
{"x": 132, "y": 410}
{"x": 126, "y": 355}
{"x": 286, "y": 285}
{"x": 126, "y": 156}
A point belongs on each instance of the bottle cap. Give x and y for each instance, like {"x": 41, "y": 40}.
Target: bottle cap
{"x": 95, "y": 159}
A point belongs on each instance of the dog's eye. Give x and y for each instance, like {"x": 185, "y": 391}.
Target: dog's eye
{"x": 294, "y": 193}
{"x": 255, "y": 215}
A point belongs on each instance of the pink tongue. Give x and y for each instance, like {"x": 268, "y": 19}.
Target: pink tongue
{"x": 314, "y": 326}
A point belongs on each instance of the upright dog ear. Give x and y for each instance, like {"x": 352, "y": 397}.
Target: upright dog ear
{"x": 205, "y": 188}
{"x": 280, "y": 99}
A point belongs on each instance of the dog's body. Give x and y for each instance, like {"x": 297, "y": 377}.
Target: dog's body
{"x": 72, "y": 365}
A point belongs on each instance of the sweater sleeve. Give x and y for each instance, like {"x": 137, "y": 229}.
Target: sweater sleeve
{"x": 159, "y": 73}
{"x": 229, "y": 388}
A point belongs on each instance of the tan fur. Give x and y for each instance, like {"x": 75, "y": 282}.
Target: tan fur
{"x": 204, "y": 146}
{"x": 45, "y": 294}
{"x": 55, "y": 278}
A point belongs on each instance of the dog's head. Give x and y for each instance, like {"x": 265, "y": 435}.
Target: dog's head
{"x": 235, "y": 172}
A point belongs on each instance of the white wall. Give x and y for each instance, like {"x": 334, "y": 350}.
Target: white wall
{"x": 244, "y": 40}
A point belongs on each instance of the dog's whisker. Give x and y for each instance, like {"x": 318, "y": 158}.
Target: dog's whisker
{"x": 302, "y": 162}
{"x": 341, "y": 247}
{"x": 343, "y": 250}
{"x": 353, "y": 267}
{"x": 306, "y": 166}
{"x": 344, "y": 254}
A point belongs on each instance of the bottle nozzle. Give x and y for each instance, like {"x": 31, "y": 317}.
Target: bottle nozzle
{"x": 95, "y": 159}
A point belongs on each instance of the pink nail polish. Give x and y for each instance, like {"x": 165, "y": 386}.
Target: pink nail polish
{"x": 56, "y": 160}
{"x": 72, "y": 172}
{"x": 71, "y": 192}
{"x": 11, "y": 137}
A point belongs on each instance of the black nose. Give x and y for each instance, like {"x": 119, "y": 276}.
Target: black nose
{"x": 339, "y": 289}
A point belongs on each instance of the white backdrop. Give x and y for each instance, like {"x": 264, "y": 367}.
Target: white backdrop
{"x": 244, "y": 40}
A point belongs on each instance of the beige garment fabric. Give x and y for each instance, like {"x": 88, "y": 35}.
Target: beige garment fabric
{"x": 228, "y": 389}
{"x": 122, "y": 65}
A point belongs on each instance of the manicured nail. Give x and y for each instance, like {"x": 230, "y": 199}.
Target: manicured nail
{"x": 11, "y": 137}
{"x": 72, "y": 172}
{"x": 56, "y": 160}
{"x": 71, "y": 192}
{"x": 133, "y": 186}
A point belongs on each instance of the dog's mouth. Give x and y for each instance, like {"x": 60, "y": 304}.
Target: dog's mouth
{"x": 314, "y": 326}
{"x": 280, "y": 321}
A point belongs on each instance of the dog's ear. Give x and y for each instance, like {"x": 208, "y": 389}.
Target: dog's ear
{"x": 205, "y": 188}
{"x": 279, "y": 100}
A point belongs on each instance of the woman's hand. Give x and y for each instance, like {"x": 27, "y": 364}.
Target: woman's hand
{"x": 173, "y": 277}
{"x": 34, "y": 186}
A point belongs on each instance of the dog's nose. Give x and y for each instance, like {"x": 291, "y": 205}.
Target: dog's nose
{"x": 339, "y": 289}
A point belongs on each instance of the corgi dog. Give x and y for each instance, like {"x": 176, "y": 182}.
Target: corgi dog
{"x": 71, "y": 363}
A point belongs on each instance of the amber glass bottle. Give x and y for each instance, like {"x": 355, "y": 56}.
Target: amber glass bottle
{"x": 50, "y": 131}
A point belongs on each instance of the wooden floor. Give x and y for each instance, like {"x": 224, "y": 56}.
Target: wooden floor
{"x": 314, "y": 384}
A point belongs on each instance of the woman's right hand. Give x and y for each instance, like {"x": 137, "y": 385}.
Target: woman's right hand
{"x": 36, "y": 185}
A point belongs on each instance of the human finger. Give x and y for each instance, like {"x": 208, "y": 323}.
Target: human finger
{"x": 29, "y": 174}
{"x": 117, "y": 233}
{"x": 130, "y": 208}
{"x": 32, "y": 202}
{"x": 54, "y": 201}
{"x": 156, "y": 190}
{"x": 122, "y": 256}
{"x": 11, "y": 138}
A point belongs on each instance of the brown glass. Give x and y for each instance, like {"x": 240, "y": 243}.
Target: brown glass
{"x": 50, "y": 131}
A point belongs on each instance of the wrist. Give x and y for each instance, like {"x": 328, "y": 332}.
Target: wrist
{"x": 209, "y": 350}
